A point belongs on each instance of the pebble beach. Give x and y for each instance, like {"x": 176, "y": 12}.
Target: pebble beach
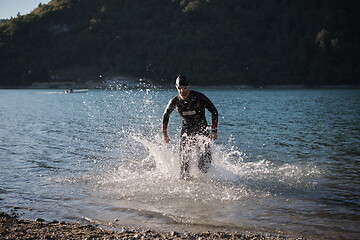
{"x": 13, "y": 228}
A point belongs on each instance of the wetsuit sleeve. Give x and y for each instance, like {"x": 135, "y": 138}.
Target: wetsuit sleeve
{"x": 169, "y": 109}
{"x": 214, "y": 112}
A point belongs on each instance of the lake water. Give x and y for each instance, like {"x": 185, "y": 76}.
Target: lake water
{"x": 286, "y": 161}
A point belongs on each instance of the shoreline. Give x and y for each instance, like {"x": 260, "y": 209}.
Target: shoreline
{"x": 131, "y": 83}
{"x": 229, "y": 87}
{"x": 13, "y": 228}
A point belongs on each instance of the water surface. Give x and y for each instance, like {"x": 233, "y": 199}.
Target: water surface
{"x": 286, "y": 161}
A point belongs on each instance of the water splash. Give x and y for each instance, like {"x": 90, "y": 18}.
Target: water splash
{"x": 140, "y": 173}
{"x": 155, "y": 177}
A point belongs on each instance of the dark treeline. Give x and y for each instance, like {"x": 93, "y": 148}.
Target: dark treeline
{"x": 248, "y": 42}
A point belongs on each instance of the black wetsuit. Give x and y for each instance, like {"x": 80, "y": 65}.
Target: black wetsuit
{"x": 194, "y": 127}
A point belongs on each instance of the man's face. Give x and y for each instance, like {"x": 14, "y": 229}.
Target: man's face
{"x": 183, "y": 91}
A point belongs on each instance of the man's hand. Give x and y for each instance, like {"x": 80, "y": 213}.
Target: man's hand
{"x": 166, "y": 138}
{"x": 213, "y": 135}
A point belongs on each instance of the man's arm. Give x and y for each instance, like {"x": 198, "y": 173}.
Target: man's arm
{"x": 165, "y": 120}
{"x": 214, "y": 117}
{"x": 166, "y": 138}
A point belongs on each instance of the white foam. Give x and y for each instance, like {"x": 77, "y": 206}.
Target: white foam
{"x": 152, "y": 176}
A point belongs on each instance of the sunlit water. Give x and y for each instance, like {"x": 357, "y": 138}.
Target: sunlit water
{"x": 286, "y": 161}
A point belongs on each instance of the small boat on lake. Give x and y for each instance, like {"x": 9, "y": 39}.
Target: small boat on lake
{"x": 76, "y": 90}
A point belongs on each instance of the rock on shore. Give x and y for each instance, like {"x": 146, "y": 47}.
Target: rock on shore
{"x": 13, "y": 228}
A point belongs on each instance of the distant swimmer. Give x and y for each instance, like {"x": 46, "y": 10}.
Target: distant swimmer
{"x": 195, "y": 135}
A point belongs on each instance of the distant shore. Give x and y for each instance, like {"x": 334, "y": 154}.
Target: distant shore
{"x": 169, "y": 86}
{"x": 13, "y": 228}
{"x": 120, "y": 82}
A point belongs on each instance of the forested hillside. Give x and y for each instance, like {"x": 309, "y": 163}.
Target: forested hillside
{"x": 252, "y": 42}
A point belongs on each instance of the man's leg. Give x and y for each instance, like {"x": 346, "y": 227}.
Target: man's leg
{"x": 205, "y": 159}
{"x": 185, "y": 152}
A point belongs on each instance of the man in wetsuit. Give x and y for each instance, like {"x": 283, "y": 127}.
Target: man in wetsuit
{"x": 191, "y": 106}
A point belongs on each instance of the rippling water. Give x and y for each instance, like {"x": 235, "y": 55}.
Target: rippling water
{"x": 286, "y": 161}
